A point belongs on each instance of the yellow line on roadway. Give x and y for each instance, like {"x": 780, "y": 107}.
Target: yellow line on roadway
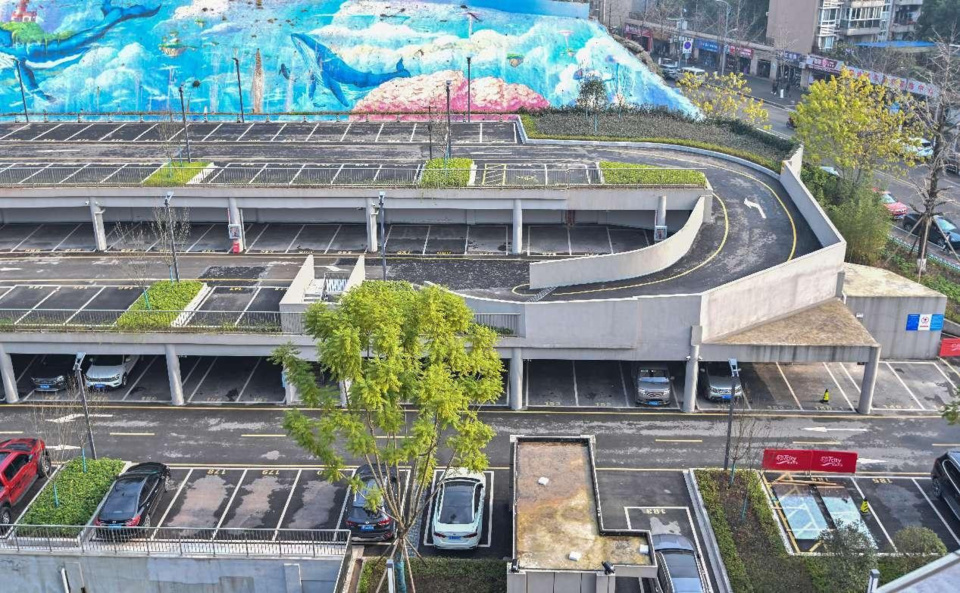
{"x": 132, "y": 434}
{"x": 945, "y": 444}
{"x": 679, "y": 440}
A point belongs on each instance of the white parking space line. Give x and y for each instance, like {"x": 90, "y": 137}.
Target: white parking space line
{"x": 899, "y": 378}
{"x": 34, "y": 308}
{"x": 569, "y": 243}
{"x": 693, "y": 529}
{"x": 14, "y": 132}
{"x": 240, "y": 137}
{"x": 466, "y": 240}
{"x": 250, "y": 376}
{"x": 428, "y": 528}
{"x": 286, "y": 505}
{"x": 481, "y": 132}
{"x": 849, "y": 376}
{"x": 202, "y": 379}
{"x": 335, "y": 233}
{"x": 200, "y": 238}
{"x": 426, "y": 240}
{"x": 84, "y": 306}
{"x": 107, "y": 135}
{"x": 299, "y": 171}
{"x": 173, "y": 500}
{"x": 247, "y": 306}
{"x": 145, "y": 131}
{"x": 72, "y": 174}
{"x": 623, "y": 383}
{"x": 233, "y": 495}
{"x": 67, "y": 237}
{"x": 837, "y": 383}
{"x": 377, "y": 174}
{"x": 142, "y": 373}
{"x": 936, "y": 510}
{"x": 42, "y": 134}
{"x": 335, "y": 175}
{"x": 345, "y": 131}
{"x": 27, "y": 368}
{"x": 37, "y": 172}
{"x": 250, "y": 246}
{"x": 294, "y": 240}
{"x": 576, "y": 393}
{"x": 69, "y": 138}
{"x": 874, "y": 513}
{"x": 15, "y": 247}
{"x": 254, "y": 178}
{"x": 413, "y": 131}
{"x": 386, "y": 240}
{"x": 609, "y": 239}
{"x": 380, "y": 131}
{"x": 789, "y": 386}
{"x": 310, "y": 135}
{"x": 104, "y": 180}
{"x": 280, "y": 131}
{"x": 343, "y": 507}
{"x": 211, "y": 133}
{"x": 945, "y": 375}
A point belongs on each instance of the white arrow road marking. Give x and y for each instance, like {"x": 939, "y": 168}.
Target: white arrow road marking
{"x": 62, "y": 447}
{"x": 10, "y": 269}
{"x": 825, "y": 429}
{"x": 72, "y": 417}
{"x": 862, "y": 460}
{"x": 749, "y": 204}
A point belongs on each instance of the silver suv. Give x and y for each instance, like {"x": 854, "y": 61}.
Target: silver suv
{"x": 715, "y": 381}
{"x": 653, "y": 383}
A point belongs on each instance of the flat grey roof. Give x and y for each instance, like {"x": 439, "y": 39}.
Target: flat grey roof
{"x": 867, "y": 281}
{"x": 828, "y": 324}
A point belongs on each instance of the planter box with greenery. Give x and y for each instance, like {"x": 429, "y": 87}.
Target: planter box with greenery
{"x": 441, "y": 575}
{"x": 446, "y": 173}
{"x": 629, "y": 174}
{"x": 175, "y": 174}
{"x": 167, "y": 300}
{"x": 78, "y": 494}
{"x": 665, "y": 127}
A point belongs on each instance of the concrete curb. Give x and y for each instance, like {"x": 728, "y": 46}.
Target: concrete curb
{"x": 191, "y": 307}
{"x": 709, "y": 541}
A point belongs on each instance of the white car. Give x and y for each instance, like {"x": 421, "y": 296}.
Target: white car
{"x": 109, "y": 370}
{"x": 458, "y": 510}
{"x": 919, "y": 147}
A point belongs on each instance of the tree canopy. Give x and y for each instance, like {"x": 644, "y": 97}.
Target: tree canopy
{"x": 723, "y": 97}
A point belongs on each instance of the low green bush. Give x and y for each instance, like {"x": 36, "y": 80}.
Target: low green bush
{"x": 629, "y": 174}
{"x": 437, "y": 575}
{"x": 446, "y": 173}
{"x": 166, "y": 300}
{"x": 78, "y": 493}
{"x": 175, "y": 174}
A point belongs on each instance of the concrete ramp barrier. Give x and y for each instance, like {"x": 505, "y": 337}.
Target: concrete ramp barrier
{"x": 621, "y": 266}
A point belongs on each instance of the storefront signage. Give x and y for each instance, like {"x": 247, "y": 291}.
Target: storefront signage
{"x": 631, "y": 29}
{"x": 810, "y": 460}
{"x": 824, "y": 64}
{"x": 707, "y": 45}
{"x": 924, "y": 322}
{"x": 743, "y": 52}
{"x": 793, "y": 57}
{"x": 895, "y": 82}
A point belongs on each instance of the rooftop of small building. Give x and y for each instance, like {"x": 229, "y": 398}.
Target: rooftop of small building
{"x": 868, "y": 281}
{"x": 827, "y": 324}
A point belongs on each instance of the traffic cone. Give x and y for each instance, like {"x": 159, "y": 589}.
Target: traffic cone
{"x": 826, "y": 397}
{"x": 864, "y": 507}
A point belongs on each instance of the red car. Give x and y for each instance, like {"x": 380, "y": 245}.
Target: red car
{"x": 896, "y": 209}
{"x": 22, "y": 461}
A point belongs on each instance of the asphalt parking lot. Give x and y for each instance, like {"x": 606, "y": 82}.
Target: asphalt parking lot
{"x": 895, "y": 502}
{"x": 487, "y": 132}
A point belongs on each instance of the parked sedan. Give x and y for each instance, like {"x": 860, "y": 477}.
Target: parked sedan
{"x": 54, "y": 372}
{"x": 133, "y": 499}
{"x": 110, "y": 370}
{"x": 458, "y": 510}
{"x": 365, "y": 523}
{"x": 22, "y": 462}
{"x": 716, "y": 380}
{"x": 680, "y": 570}
{"x": 896, "y": 208}
{"x": 946, "y": 480}
{"x": 947, "y": 230}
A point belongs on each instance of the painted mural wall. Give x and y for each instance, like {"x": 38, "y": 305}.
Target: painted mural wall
{"x": 292, "y": 56}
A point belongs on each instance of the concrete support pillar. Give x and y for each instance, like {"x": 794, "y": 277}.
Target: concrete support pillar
{"x": 235, "y": 218}
{"x": 344, "y": 390}
{"x": 173, "y": 375}
{"x": 869, "y": 381}
{"x": 661, "y": 218}
{"x": 9, "y": 377}
{"x": 372, "y": 244}
{"x": 291, "y": 394}
{"x": 517, "y": 228}
{"x": 690, "y": 381}
{"x": 96, "y": 217}
{"x": 516, "y": 379}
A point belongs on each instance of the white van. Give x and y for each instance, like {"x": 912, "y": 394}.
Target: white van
{"x": 695, "y": 72}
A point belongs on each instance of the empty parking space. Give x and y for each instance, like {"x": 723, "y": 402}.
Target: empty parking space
{"x": 274, "y": 238}
{"x": 900, "y": 502}
{"x": 585, "y": 384}
{"x": 890, "y": 392}
{"x": 407, "y": 239}
{"x": 766, "y": 388}
{"x": 550, "y": 383}
{"x": 600, "y": 383}
{"x": 312, "y": 238}
{"x": 926, "y": 381}
{"x": 201, "y": 499}
{"x": 807, "y": 382}
{"x": 446, "y": 239}
{"x": 265, "y": 384}
{"x": 547, "y": 240}
{"x": 314, "y": 503}
{"x": 259, "y": 502}
{"x": 493, "y": 239}
{"x": 590, "y": 239}
{"x": 224, "y": 380}
{"x": 13, "y": 236}
{"x": 149, "y": 382}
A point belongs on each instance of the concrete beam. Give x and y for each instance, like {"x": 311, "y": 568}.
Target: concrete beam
{"x": 517, "y": 248}
{"x": 173, "y": 375}
{"x": 865, "y": 405}
{"x": 516, "y": 379}
{"x": 9, "y": 377}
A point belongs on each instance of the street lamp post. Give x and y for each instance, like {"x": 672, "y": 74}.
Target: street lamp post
{"x": 173, "y": 240}
{"x": 430, "y": 129}
{"x": 78, "y": 375}
{"x": 383, "y": 236}
{"x": 734, "y": 376}
{"x": 469, "y": 59}
{"x": 183, "y": 114}
{"x": 23, "y": 95}
{"x": 449, "y": 125}
{"x": 726, "y": 31}
{"x": 239, "y": 89}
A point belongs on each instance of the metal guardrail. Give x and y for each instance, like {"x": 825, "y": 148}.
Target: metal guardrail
{"x": 307, "y": 175}
{"x": 176, "y": 541}
{"x": 251, "y": 322}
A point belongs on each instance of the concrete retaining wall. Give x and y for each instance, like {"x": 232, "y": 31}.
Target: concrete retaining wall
{"x": 886, "y": 320}
{"x": 808, "y": 206}
{"x": 620, "y": 266}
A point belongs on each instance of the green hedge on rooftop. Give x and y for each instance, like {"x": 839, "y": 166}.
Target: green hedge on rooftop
{"x": 167, "y": 299}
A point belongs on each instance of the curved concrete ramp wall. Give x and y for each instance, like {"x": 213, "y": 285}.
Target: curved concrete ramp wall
{"x": 620, "y": 266}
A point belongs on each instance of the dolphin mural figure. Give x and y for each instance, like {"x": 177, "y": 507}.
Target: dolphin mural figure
{"x": 56, "y": 52}
{"x": 327, "y": 67}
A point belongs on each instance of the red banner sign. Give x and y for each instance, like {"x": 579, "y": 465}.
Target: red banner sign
{"x": 810, "y": 460}
{"x": 950, "y": 347}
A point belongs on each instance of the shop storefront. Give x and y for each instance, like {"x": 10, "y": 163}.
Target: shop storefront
{"x": 708, "y": 53}
{"x": 820, "y": 68}
{"x": 641, "y": 35}
{"x": 738, "y": 59}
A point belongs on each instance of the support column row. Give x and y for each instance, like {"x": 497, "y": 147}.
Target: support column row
{"x": 9, "y": 377}
{"x": 99, "y": 233}
{"x": 517, "y": 248}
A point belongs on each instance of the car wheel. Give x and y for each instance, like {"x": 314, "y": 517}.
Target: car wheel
{"x": 168, "y": 484}
{"x": 6, "y": 518}
{"x": 123, "y": 381}
{"x": 942, "y": 243}
{"x": 937, "y": 488}
{"x": 43, "y": 468}
{"x": 146, "y": 522}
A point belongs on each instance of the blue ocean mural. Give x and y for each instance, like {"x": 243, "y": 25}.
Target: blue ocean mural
{"x": 109, "y": 56}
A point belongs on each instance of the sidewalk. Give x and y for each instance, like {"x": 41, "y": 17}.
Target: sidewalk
{"x": 762, "y": 89}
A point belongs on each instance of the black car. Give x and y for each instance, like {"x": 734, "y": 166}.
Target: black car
{"x": 366, "y": 524}
{"x": 947, "y": 230}
{"x": 132, "y": 499}
{"x": 946, "y": 480}
{"x": 53, "y": 372}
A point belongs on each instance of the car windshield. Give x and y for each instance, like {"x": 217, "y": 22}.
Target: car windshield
{"x": 945, "y": 225}
{"x": 360, "y": 498}
{"x": 888, "y": 199}
{"x": 109, "y": 360}
{"x": 122, "y": 501}
{"x": 718, "y": 369}
{"x": 457, "y": 505}
{"x": 682, "y": 565}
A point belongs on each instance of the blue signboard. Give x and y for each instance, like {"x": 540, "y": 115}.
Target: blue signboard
{"x": 924, "y": 322}
{"x": 708, "y": 45}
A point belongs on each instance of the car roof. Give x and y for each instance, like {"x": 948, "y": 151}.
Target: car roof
{"x": 150, "y": 467}
{"x": 670, "y": 541}
{"x": 954, "y": 455}
{"x": 18, "y": 445}
{"x": 462, "y": 473}
{"x": 365, "y": 472}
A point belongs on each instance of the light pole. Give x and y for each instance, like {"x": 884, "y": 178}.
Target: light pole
{"x": 239, "y": 89}
{"x": 23, "y": 95}
{"x": 430, "y": 128}
{"x": 78, "y": 375}
{"x": 173, "y": 240}
{"x": 449, "y": 125}
{"x": 183, "y": 113}
{"x": 734, "y": 376}
{"x": 726, "y": 31}
{"x": 469, "y": 59}
{"x": 383, "y": 235}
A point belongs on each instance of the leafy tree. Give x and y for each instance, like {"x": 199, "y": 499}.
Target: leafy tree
{"x": 723, "y": 97}
{"x": 951, "y": 411}
{"x": 849, "y": 121}
{"x": 851, "y": 558}
{"x": 938, "y": 19}
{"x": 392, "y": 345}
{"x": 917, "y": 546}
{"x": 592, "y": 98}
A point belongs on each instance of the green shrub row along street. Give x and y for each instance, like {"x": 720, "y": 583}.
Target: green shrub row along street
{"x": 175, "y": 174}
{"x": 629, "y": 174}
{"x": 443, "y": 172}
{"x": 159, "y": 306}
{"x": 78, "y": 494}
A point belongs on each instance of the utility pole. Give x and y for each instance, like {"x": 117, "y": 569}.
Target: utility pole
{"x": 449, "y": 125}
{"x": 383, "y": 235}
{"x": 726, "y": 31}
{"x": 469, "y": 59}
{"x": 173, "y": 240}
{"x": 239, "y": 89}
{"x": 23, "y": 95}
{"x": 430, "y": 128}
{"x": 77, "y": 365}
{"x": 183, "y": 114}
{"x": 734, "y": 376}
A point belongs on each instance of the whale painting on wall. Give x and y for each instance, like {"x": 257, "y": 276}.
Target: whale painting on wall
{"x": 295, "y": 56}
